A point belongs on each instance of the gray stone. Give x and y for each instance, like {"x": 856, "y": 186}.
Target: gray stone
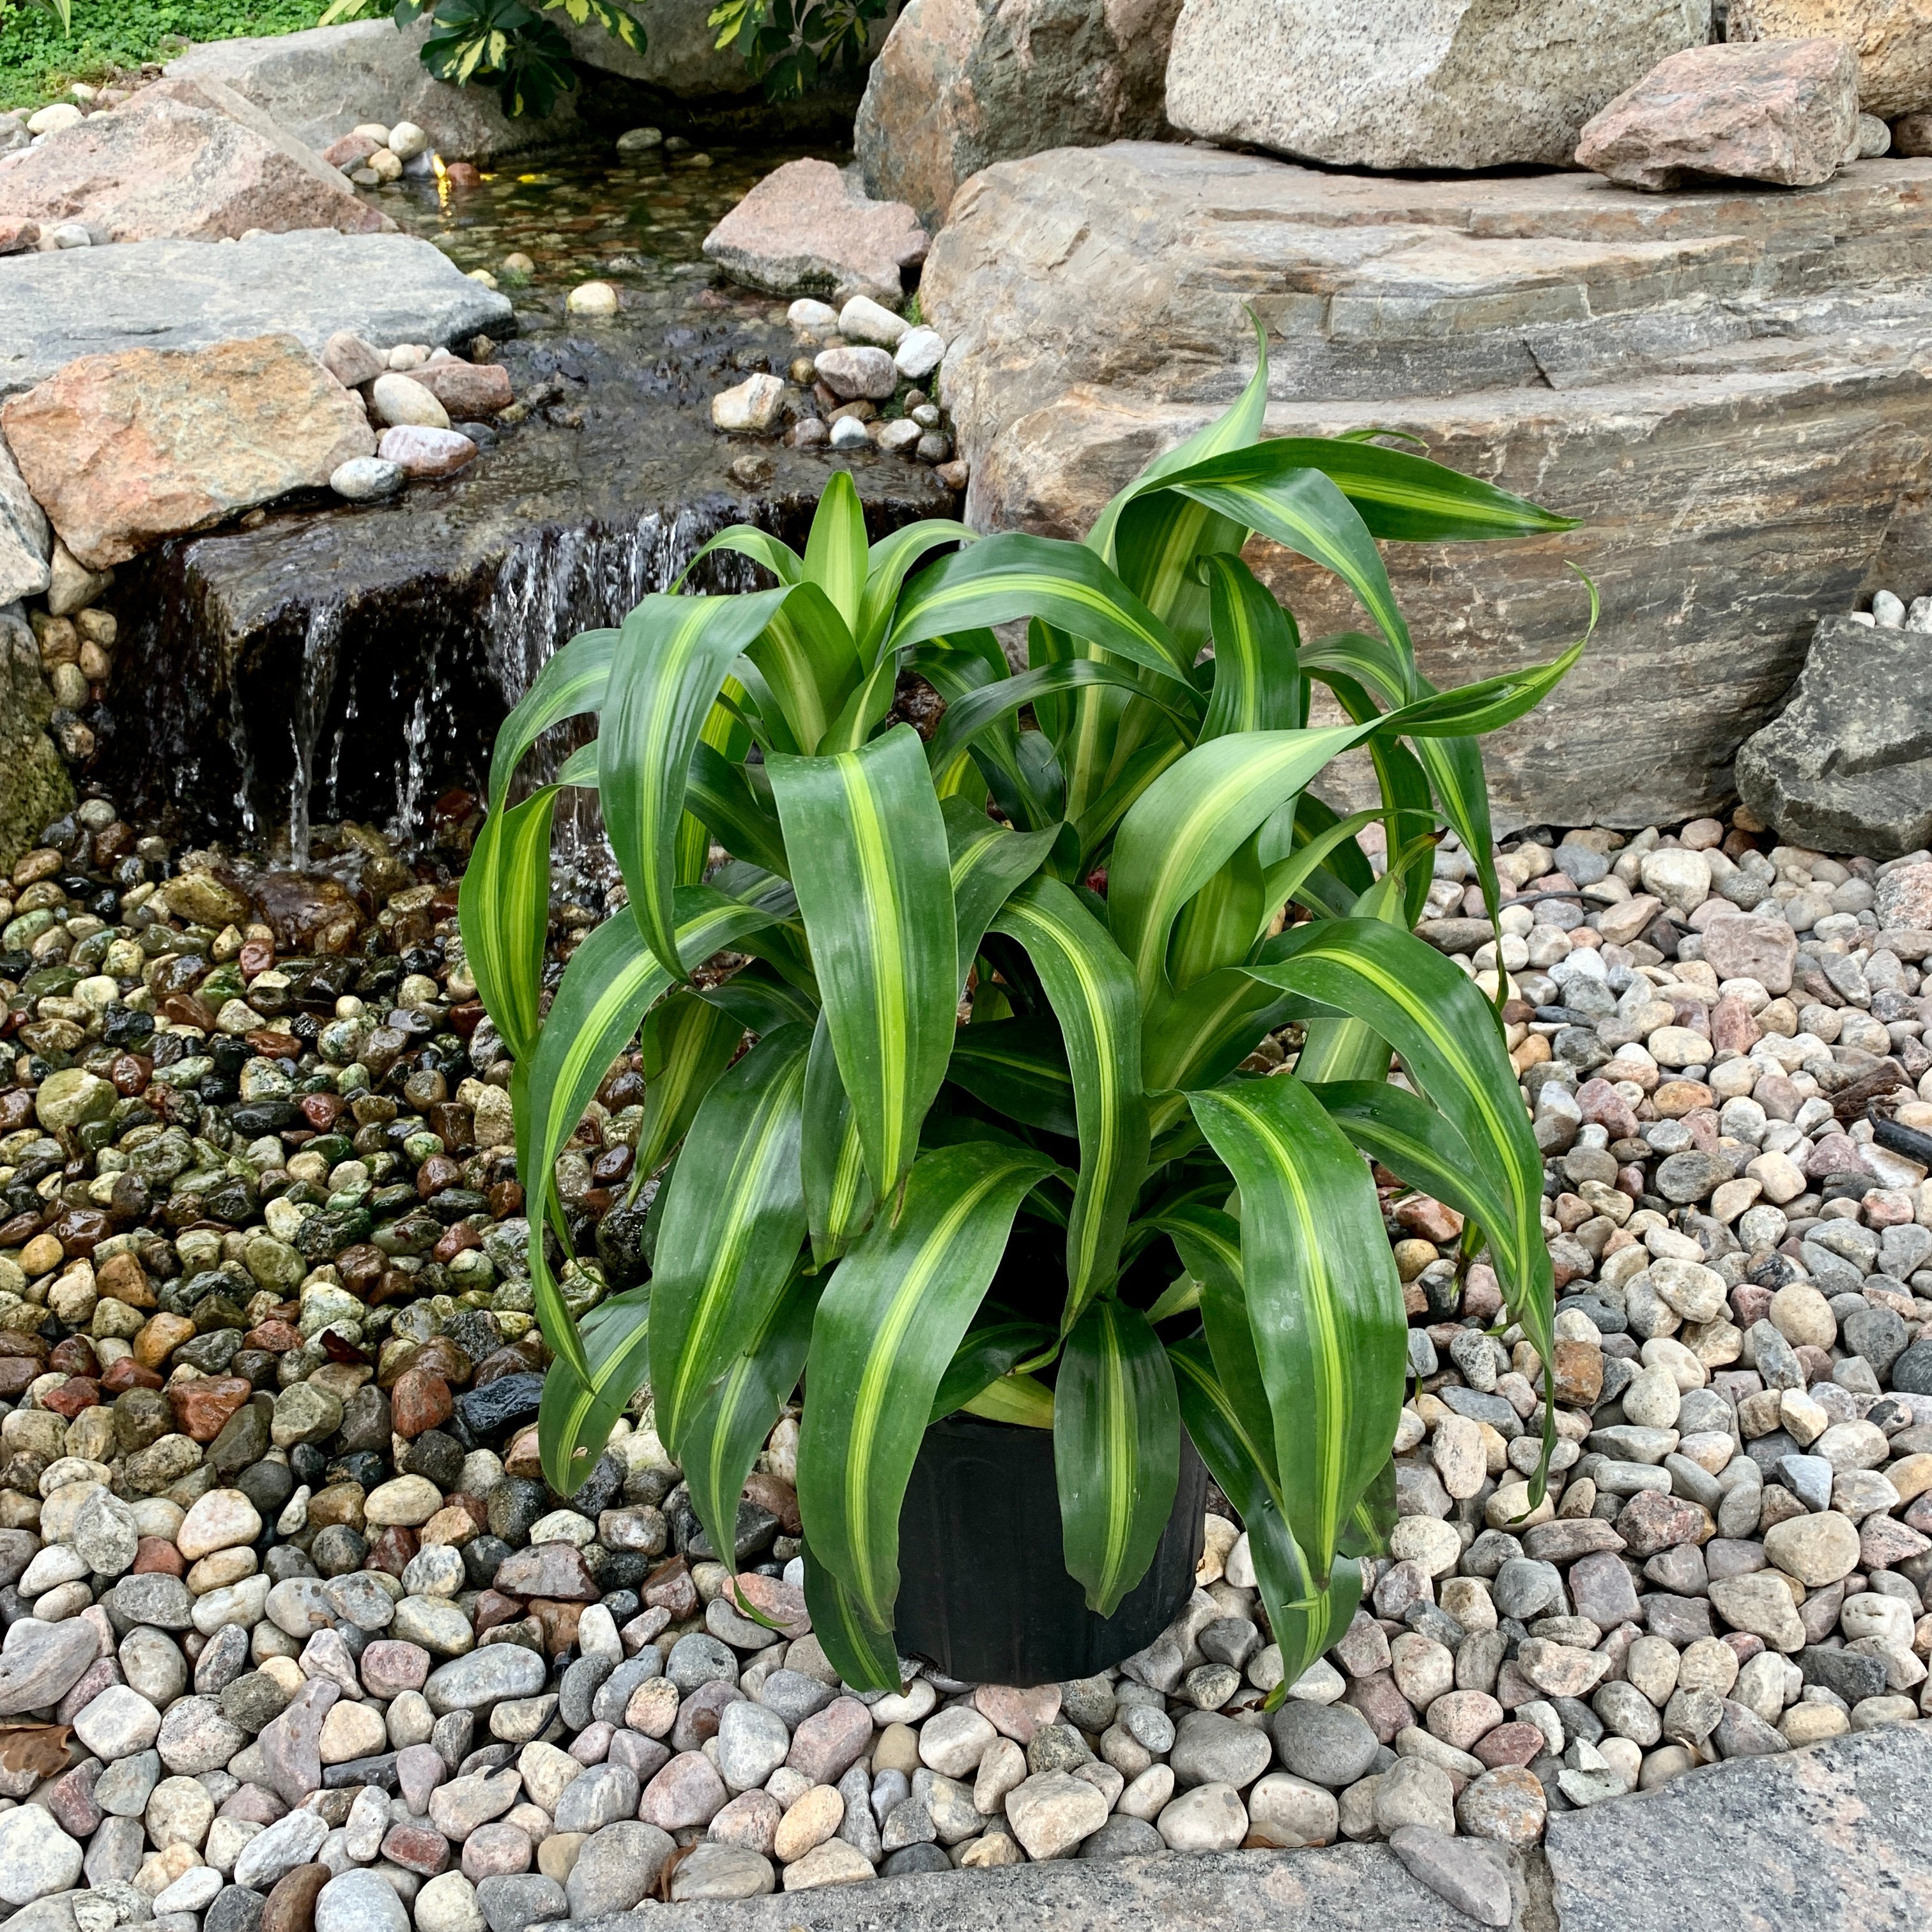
{"x": 42, "y": 1662}
{"x": 709, "y": 1871}
{"x": 1439, "y": 305}
{"x": 320, "y": 84}
{"x": 37, "y": 1857}
{"x": 1210, "y": 1749}
{"x": 1759, "y": 1841}
{"x": 1329, "y": 1745}
{"x": 960, "y": 84}
{"x": 1416, "y": 83}
{"x": 601, "y": 1796}
{"x": 617, "y": 1868}
{"x": 187, "y": 295}
{"x": 1473, "y": 1875}
{"x": 808, "y": 229}
{"x": 484, "y": 1676}
{"x": 1313, "y": 1890}
{"x": 1848, "y": 762}
{"x": 359, "y": 1901}
{"x": 510, "y": 1904}
{"x": 26, "y": 542}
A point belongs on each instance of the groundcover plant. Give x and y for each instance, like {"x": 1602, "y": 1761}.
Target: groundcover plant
{"x": 992, "y": 1146}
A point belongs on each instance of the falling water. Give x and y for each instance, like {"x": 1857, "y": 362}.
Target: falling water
{"x": 321, "y": 646}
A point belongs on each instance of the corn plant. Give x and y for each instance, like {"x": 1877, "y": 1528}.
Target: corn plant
{"x": 993, "y": 1148}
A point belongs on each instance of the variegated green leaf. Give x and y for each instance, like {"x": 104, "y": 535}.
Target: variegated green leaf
{"x": 983, "y": 1358}
{"x": 502, "y": 909}
{"x": 1014, "y": 575}
{"x": 572, "y": 682}
{"x": 687, "y": 1042}
{"x": 612, "y": 981}
{"x": 987, "y": 862}
{"x": 734, "y": 1220}
{"x": 1257, "y": 681}
{"x": 835, "y": 555}
{"x": 723, "y": 1439}
{"x": 869, "y": 860}
{"x": 1454, "y": 1054}
{"x": 1091, "y": 989}
{"x": 1116, "y": 1450}
{"x": 1324, "y": 1302}
{"x": 886, "y": 566}
{"x": 863, "y": 1654}
{"x": 676, "y": 654}
{"x": 1018, "y": 1067}
{"x": 887, "y": 1328}
{"x": 575, "y": 1417}
{"x": 839, "y": 1195}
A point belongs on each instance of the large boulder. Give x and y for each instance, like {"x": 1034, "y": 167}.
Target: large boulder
{"x": 1603, "y": 352}
{"x": 1785, "y": 112}
{"x": 1846, "y": 766}
{"x": 1892, "y": 39}
{"x": 123, "y": 450}
{"x": 188, "y": 160}
{"x": 319, "y": 84}
{"x": 34, "y": 788}
{"x": 387, "y": 289}
{"x": 808, "y": 229}
{"x": 1430, "y": 84}
{"x": 960, "y": 84}
{"x": 26, "y": 545}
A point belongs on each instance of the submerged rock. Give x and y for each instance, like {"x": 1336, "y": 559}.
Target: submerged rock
{"x": 807, "y": 230}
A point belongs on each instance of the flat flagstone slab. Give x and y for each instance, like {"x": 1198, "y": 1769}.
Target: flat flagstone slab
{"x": 191, "y": 295}
{"x": 1839, "y": 1836}
{"x": 1342, "y": 1889}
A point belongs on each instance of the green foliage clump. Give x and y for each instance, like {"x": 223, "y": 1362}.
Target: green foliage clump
{"x": 40, "y": 56}
{"x": 1001, "y": 1145}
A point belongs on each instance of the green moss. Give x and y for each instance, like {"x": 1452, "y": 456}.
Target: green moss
{"x": 38, "y": 63}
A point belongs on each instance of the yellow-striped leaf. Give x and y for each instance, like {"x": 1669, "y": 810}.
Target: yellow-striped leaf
{"x": 502, "y": 909}
{"x": 868, "y": 845}
{"x": 1324, "y": 1302}
{"x": 687, "y": 1042}
{"x": 575, "y": 1415}
{"x": 1091, "y": 989}
{"x": 733, "y": 1219}
{"x": 1116, "y": 1450}
{"x": 723, "y": 1439}
{"x": 887, "y": 1328}
{"x": 612, "y": 981}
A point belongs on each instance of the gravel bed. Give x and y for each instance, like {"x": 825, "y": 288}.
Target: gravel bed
{"x": 275, "y": 1547}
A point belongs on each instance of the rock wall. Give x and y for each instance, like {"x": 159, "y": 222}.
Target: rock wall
{"x": 1732, "y": 388}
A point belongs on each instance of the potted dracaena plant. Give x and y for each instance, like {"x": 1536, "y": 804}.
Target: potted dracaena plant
{"x": 1003, "y": 983}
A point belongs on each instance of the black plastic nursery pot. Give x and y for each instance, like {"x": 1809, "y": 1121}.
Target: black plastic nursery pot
{"x": 984, "y": 1592}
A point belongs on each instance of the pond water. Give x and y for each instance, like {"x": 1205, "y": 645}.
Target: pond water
{"x": 354, "y": 661}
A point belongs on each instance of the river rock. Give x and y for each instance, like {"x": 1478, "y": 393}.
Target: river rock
{"x": 807, "y": 229}
{"x": 123, "y": 450}
{"x": 1892, "y": 38}
{"x": 960, "y": 84}
{"x": 1432, "y": 84}
{"x": 1092, "y": 299}
{"x": 1785, "y": 113}
{"x": 1845, "y": 763}
{"x": 182, "y": 159}
{"x": 42, "y": 1662}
